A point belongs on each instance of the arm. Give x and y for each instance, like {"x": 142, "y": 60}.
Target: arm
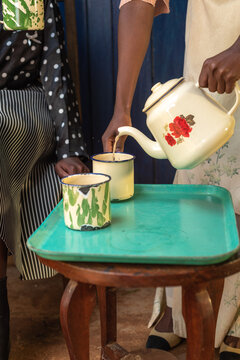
{"x": 135, "y": 25}
{"x": 220, "y": 72}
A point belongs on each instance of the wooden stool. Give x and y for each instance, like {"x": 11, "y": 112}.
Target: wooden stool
{"x": 79, "y": 299}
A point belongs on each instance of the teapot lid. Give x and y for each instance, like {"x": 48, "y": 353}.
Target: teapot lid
{"x": 159, "y": 91}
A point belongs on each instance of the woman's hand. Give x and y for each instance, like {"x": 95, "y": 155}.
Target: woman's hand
{"x": 119, "y": 119}
{"x": 70, "y": 166}
{"x": 219, "y": 73}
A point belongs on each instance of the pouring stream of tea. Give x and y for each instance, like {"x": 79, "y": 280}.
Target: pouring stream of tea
{"x": 114, "y": 146}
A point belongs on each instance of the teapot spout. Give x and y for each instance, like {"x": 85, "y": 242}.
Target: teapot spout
{"x": 151, "y": 147}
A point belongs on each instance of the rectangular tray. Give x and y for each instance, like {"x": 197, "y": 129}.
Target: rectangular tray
{"x": 161, "y": 224}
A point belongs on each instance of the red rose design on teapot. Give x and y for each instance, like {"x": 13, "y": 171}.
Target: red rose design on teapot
{"x": 178, "y": 129}
{"x": 170, "y": 139}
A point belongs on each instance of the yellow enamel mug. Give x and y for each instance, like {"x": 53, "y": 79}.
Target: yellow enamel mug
{"x": 121, "y": 170}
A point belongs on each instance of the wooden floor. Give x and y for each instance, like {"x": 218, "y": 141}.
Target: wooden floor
{"x": 36, "y": 333}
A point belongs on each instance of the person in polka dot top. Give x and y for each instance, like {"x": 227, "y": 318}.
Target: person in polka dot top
{"x": 33, "y": 57}
{"x": 40, "y": 140}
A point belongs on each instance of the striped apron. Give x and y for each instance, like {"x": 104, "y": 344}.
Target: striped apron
{"x": 29, "y": 186}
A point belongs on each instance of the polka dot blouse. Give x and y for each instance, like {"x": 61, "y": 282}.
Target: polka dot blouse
{"x": 38, "y": 57}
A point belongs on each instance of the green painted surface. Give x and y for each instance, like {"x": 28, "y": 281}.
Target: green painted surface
{"x": 23, "y": 14}
{"x": 80, "y": 218}
{"x": 174, "y": 224}
{"x": 94, "y": 206}
{"x": 106, "y": 195}
{"x": 72, "y": 196}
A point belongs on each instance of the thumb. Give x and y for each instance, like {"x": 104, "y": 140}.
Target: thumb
{"x": 203, "y": 78}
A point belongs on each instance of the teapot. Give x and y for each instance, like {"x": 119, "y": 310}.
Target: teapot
{"x": 187, "y": 123}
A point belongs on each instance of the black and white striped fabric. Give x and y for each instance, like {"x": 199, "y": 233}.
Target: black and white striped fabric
{"x": 29, "y": 186}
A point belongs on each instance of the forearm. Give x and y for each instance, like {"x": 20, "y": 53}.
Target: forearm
{"x": 135, "y": 25}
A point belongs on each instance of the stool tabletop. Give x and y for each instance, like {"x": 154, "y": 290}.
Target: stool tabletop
{"x": 142, "y": 275}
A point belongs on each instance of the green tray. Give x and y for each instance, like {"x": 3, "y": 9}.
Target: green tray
{"x": 162, "y": 224}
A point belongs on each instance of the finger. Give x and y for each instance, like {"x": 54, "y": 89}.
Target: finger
{"x": 87, "y": 169}
{"x": 221, "y": 86}
{"x": 78, "y": 169}
{"x": 70, "y": 169}
{"x": 203, "y": 78}
{"x": 230, "y": 86}
{"x": 61, "y": 172}
{"x": 82, "y": 169}
{"x": 219, "y": 76}
{"x": 108, "y": 145}
{"x": 212, "y": 81}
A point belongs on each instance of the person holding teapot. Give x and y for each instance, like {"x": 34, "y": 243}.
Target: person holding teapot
{"x": 212, "y": 57}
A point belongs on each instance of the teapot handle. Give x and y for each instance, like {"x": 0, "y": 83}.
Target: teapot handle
{"x": 237, "y": 102}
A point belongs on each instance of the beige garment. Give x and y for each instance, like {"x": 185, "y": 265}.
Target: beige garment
{"x": 161, "y": 6}
{"x": 216, "y": 29}
{"x": 211, "y": 27}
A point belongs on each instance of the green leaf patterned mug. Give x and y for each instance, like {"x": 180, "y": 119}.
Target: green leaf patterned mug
{"x": 86, "y": 201}
{"x": 23, "y": 14}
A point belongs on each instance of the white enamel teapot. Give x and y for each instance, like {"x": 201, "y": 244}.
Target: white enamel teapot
{"x": 186, "y": 122}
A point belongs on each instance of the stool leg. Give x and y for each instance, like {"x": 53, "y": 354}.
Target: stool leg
{"x": 215, "y": 290}
{"x": 108, "y": 317}
{"x": 200, "y": 323}
{"x": 76, "y": 307}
